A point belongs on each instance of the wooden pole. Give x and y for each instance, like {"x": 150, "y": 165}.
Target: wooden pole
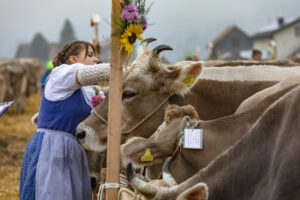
{"x": 96, "y": 32}
{"x": 97, "y": 42}
{"x": 114, "y": 111}
{"x": 95, "y": 20}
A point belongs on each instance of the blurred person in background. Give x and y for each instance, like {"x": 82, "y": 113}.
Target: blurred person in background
{"x": 44, "y": 78}
{"x": 256, "y": 55}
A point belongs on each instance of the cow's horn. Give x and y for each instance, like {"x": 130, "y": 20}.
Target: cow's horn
{"x": 167, "y": 176}
{"x": 143, "y": 46}
{"x": 141, "y": 186}
{"x": 153, "y": 60}
{"x": 156, "y": 51}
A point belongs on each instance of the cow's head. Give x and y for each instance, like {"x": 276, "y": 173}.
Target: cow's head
{"x": 147, "y": 88}
{"x": 162, "y": 143}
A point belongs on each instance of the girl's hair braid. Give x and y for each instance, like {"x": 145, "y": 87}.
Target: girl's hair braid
{"x": 71, "y": 49}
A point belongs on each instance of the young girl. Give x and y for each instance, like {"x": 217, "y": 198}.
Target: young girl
{"x": 54, "y": 164}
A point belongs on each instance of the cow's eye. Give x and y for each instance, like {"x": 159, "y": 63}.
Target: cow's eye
{"x": 128, "y": 94}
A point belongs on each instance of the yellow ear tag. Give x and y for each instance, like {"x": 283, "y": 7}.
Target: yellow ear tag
{"x": 104, "y": 84}
{"x": 147, "y": 156}
{"x": 189, "y": 80}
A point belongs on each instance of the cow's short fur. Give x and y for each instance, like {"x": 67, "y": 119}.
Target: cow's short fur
{"x": 262, "y": 165}
{"x": 219, "y": 134}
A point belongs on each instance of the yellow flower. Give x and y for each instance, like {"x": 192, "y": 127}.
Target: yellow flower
{"x": 130, "y": 35}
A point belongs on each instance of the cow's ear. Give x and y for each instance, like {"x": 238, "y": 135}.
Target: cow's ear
{"x": 198, "y": 191}
{"x": 190, "y": 72}
{"x": 183, "y": 75}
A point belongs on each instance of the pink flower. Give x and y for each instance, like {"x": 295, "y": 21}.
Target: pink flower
{"x": 130, "y": 13}
{"x": 144, "y": 23}
{"x": 97, "y": 99}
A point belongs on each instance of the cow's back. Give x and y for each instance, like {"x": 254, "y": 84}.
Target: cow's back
{"x": 213, "y": 99}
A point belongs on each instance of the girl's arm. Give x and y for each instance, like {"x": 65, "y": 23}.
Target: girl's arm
{"x": 66, "y": 79}
{"x": 92, "y": 74}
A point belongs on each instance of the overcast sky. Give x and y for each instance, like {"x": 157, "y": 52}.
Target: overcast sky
{"x": 183, "y": 24}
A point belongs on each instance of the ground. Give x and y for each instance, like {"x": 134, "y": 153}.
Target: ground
{"x": 15, "y": 132}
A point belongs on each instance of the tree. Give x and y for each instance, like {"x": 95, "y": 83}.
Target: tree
{"x": 39, "y": 47}
{"x": 67, "y": 34}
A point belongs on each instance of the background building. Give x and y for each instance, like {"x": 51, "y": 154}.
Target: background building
{"x": 230, "y": 43}
{"x": 286, "y": 34}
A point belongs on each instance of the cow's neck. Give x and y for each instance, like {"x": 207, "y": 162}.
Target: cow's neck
{"x": 226, "y": 131}
{"x": 218, "y": 135}
{"x": 214, "y": 99}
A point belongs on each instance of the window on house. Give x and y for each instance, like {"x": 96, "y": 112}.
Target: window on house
{"x": 297, "y": 31}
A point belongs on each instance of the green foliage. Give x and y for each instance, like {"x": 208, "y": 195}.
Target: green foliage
{"x": 39, "y": 47}
{"x": 67, "y": 34}
{"x": 140, "y": 4}
{"x": 120, "y": 26}
{"x": 148, "y": 9}
{"x": 96, "y": 90}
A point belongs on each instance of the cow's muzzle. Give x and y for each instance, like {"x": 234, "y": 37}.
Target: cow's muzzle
{"x": 80, "y": 134}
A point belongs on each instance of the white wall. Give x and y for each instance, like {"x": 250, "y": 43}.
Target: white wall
{"x": 287, "y": 42}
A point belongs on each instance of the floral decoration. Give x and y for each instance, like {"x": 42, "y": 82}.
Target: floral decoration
{"x": 130, "y": 13}
{"x": 130, "y": 35}
{"x": 98, "y": 48}
{"x": 131, "y": 23}
{"x": 98, "y": 97}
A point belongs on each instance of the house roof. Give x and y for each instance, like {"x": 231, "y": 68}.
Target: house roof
{"x": 225, "y": 33}
{"x": 274, "y": 27}
{"x": 23, "y": 51}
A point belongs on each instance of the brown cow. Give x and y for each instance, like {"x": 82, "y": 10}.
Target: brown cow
{"x": 264, "y": 164}
{"x": 22, "y": 77}
{"x": 33, "y": 69}
{"x": 253, "y": 72}
{"x": 147, "y": 90}
{"x": 219, "y": 134}
{"x": 16, "y": 87}
{"x": 234, "y": 63}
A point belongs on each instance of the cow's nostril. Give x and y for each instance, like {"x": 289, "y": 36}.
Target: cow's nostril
{"x": 80, "y": 134}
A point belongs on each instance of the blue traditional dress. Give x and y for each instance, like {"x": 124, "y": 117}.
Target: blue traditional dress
{"x": 54, "y": 164}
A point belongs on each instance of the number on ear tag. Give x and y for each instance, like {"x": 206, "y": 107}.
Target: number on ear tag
{"x": 147, "y": 157}
{"x": 189, "y": 80}
{"x": 193, "y": 138}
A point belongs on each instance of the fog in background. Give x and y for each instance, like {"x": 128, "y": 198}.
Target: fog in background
{"x": 182, "y": 24}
